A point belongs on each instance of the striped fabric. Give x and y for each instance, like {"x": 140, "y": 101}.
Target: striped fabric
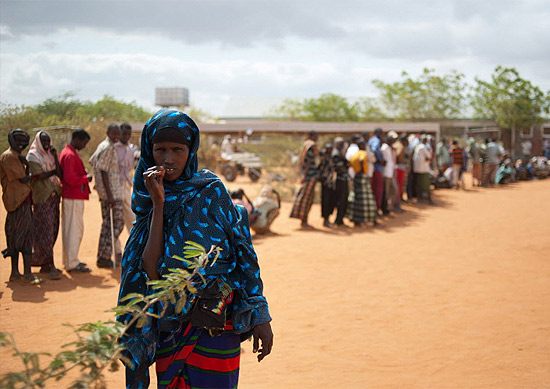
{"x": 303, "y": 200}
{"x": 363, "y": 207}
{"x": 46, "y": 228}
{"x": 19, "y": 230}
{"x": 457, "y": 154}
{"x": 194, "y": 359}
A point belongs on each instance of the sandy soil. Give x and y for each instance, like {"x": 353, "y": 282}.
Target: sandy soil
{"x": 451, "y": 296}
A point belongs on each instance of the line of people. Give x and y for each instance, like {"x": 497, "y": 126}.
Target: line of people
{"x": 34, "y": 187}
{"x": 366, "y": 177}
{"x": 363, "y": 178}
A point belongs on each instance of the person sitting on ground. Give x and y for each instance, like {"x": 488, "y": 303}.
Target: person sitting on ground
{"x": 505, "y": 172}
{"x": 267, "y": 205}
{"x": 237, "y": 198}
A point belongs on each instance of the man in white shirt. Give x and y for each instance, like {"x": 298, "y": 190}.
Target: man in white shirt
{"x": 126, "y": 156}
{"x": 421, "y": 168}
{"x": 390, "y": 189}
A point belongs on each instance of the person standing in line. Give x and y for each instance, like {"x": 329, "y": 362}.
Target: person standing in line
{"x": 125, "y": 152}
{"x": 414, "y": 141}
{"x": 109, "y": 188}
{"x": 475, "y": 155}
{"x": 310, "y": 174}
{"x": 16, "y": 195}
{"x": 401, "y": 148}
{"x": 46, "y": 194}
{"x": 390, "y": 190}
{"x": 457, "y": 156}
{"x": 371, "y": 158}
{"x": 442, "y": 155}
{"x": 421, "y": 165}
{"x": 353, "y": 147}
{"x": 363, "y": 207}
{"x": 377, "y": 182}
{"x": 494, "y": 154}
{"x": 342, "y": 177}
{"x": 327, "y": 176}
{"x": 74, "y": 191}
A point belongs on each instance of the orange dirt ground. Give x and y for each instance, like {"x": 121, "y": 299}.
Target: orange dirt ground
{"x": 451, "y": 296}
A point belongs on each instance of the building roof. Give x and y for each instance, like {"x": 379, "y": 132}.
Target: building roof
{"x": 281, "y": 126}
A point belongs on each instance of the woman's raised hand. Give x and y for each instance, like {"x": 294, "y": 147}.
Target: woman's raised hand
{"x": 154, "y": 183}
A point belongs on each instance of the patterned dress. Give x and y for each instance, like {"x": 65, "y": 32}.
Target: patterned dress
{"x": 197, "y": 208}
{"x": 306, "y": 193}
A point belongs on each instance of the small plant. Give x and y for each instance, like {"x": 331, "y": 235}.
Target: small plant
{"x": 97, "y": 348}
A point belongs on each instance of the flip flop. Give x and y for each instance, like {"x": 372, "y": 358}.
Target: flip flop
{"x": 34, "y": 280}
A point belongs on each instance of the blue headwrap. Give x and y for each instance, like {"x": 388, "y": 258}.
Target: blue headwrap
{"x": 197, "y": 208}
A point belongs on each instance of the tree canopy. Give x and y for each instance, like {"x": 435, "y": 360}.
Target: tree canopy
{"x": 65, "y": 110}
{"x": 428, "y": 97}
{"x": 329, "y": 107}
{"x": 511, "y": 101}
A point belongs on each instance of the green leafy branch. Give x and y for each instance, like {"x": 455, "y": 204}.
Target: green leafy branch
{"x": 97, "y": 347}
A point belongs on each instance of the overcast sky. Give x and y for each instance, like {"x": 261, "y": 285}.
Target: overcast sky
{"x": 275, "y": 48}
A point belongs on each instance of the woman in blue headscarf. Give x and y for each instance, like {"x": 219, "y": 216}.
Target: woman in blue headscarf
{"x": 175, "y": 203}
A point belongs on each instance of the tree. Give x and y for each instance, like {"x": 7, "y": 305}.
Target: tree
{"x": 512, "y": 102}
{"x": 368, "y": 110}
{"x": 290, "y": 109}
{"x": 328, "y": 107}
{"x": 63, "y": 106}
{"x": 429, "y": 97}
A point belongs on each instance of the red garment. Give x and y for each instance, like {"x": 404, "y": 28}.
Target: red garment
{"x": 457, "y": 154}
{"x": 400, "y": 175}
{"x": 75, "y": 179}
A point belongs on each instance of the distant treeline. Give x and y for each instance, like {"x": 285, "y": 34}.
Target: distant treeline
{"x": 509, "y": 100}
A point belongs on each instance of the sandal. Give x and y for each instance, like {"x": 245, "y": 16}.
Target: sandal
{"x": 32, "y": 279}
{"x": 81, "y": 268}
{"x": 54, "y": 274}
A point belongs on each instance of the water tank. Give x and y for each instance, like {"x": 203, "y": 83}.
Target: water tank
{"x": 172, "y": 97}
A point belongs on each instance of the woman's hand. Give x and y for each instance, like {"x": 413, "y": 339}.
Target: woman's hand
{"x": 263, "y": 332}
{"x": 154, "y": 183}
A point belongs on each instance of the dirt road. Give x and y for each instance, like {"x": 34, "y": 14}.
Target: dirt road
{"x": 451, "y": 296}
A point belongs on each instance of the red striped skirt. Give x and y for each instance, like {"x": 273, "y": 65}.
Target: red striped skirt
{"x": 194, "y": 359}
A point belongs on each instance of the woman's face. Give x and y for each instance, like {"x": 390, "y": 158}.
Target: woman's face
{"x": 172, "y": 156}
{"x": 45, "y": 140}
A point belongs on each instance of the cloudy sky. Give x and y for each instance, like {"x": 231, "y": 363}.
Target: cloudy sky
{"x": 258, "y": 49}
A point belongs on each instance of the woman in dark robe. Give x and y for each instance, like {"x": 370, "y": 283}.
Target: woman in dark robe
{"x": 174, "y": 203}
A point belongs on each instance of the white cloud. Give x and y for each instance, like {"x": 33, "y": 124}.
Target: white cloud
{"x": 219, "y": 49}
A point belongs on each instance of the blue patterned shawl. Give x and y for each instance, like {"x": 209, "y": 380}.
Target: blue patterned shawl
{"x": 197, "y": 208}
